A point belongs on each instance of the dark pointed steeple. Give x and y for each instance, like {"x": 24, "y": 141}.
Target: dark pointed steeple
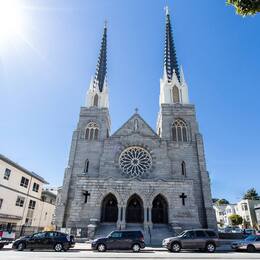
{"x": 170, "y": 57}
{"x": 101, "y": 70}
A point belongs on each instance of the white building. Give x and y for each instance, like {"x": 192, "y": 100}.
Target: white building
{"x": 220, "y": 214}
{"x": 22, "y": 198}
{"x": 246, "y": 209}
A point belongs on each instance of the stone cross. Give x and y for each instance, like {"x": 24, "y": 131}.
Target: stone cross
{"x": 86, "y": 194}
{"x": 183, "y": 197}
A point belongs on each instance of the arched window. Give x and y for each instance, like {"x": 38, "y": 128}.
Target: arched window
{"x": 86, "y": 166}
{"x": 95, "y": 103}
{"x": 175, "y": 95}
{"x": 183, "y": 168}
{"x": 92, "y": 131}
{"x": 179, "y": 131}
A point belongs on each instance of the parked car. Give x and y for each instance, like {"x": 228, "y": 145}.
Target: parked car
{"x": 6, "y": 237}
{"x": 202, "y": 239}
{"x": 45, "y": 240}
{"x": 251, "y": 244}
{"x": 120, "y": 240}
{"x": 249, "y": 231}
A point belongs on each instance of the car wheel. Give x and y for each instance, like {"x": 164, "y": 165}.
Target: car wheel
{"x": 101, "y": 248}
{"x": 1, "y": 246}
{"x": 136, "y": 248}
{"x": 210, "y": 247}
{"x": 21, "y": 246}
{"x": 175, "y": 247}
{"x": 250, "y": 249}
{"x": 58, "y": 247}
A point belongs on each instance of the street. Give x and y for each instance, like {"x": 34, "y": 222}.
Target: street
{"x": 82, "y": 251}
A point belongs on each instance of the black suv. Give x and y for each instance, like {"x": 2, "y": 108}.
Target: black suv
{"x": 120, "y": 240}
{"x": 45, "y": 240}
{"x": 202, "y": 239}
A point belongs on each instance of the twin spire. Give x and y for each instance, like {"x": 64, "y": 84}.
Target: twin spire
{"x": 97, "y": 94}
{"x": 170, "y": 57}
{"x": 101, "y": 70}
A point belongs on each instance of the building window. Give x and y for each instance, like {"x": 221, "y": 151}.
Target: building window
{"x": 91, "y": 131}
{"x": 175, "y": 95}
{"x": 95, "y": 100}
{"x": 32, "y": 204}
{"x": 24, "y": 182}
{"x": 7, "y": 174}
{"x": 36, "y": 187}
{"x": 20, "y": 201}
{"x": 1, "y": 203}
{"x": 183, "y": 168}
{"x": 86, "y": 166}
{"x": 179, "y": 131}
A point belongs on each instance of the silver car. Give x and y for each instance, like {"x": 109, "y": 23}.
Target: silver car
{"x": 251, "y": 244}
{"x": 202, "y": 239}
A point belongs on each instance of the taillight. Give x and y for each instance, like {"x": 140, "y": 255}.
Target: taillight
{"x": 142, "y": 238}
{"x": 1, "y": 233}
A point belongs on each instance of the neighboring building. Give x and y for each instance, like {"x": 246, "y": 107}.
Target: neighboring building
{"x": 220, "y": 214}
{"x": 137, "y": 175}
{"x": 246, "y": 209}
{"x": 229, "y": 210}
{"x": 257, "y": 213}
{"x": 21, "y": 193}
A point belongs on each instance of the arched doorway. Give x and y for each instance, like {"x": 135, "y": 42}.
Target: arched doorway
{"x": 160, "y": 210}
{"x": 135, "y": 210}
{"x": 109, "y": 209}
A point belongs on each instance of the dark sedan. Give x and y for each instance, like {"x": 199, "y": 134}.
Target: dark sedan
{"x": 45, "y": 240}
{"x": 120, "y": 240}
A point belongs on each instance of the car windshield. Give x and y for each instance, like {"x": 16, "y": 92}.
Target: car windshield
{"x": 182, "y": 233}
{"x": 250, "y": 238}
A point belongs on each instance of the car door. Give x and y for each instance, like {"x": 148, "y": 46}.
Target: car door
{"x": 127, "y": 240}
{"x": 47, "y": 240}
{"x": 200, "y": 239}
{"x": 257, "y": 243}
{"x": 187, "y": 240}
{"x": 114, "y": 240}
{"x": 35, "y": 242}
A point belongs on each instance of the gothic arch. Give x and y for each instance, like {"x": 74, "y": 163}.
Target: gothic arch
{"x": 160, "y": 208}
{"x": 175, "y": 94}
{"x": 95, "y": 101}
{"x": 180, "y": 131}
{"x": 109, "y": 208}
{"x": 135, "y": 209}
{"x": 92, "y": 131}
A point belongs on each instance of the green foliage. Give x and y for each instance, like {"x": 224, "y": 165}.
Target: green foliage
{"x": 222, "y": 202}
{"x": 246, "y": 7}
{"x": 236, "y": 219}
{"x": 251, "y": 194}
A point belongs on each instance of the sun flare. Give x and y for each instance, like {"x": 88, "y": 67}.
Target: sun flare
{"x": 11, "y": 20}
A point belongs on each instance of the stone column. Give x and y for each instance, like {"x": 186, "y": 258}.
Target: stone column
{"x": 123, "y": 223}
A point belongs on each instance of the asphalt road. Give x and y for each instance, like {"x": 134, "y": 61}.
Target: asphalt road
{"x": 82, "y": 251}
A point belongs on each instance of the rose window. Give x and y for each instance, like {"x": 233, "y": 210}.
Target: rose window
{"x": 135, "y": 161}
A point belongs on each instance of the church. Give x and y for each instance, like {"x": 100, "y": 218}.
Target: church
{"x": 137, "y": 176}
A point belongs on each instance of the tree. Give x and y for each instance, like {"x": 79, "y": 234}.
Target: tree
{"x": 235, "y": 219}
{"x": 245, "y": 7}
{"x": 222, "y": 202}
{"x": 251, "y": 194}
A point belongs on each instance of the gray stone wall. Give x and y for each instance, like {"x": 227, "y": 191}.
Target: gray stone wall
{"x": 165, "y": 177}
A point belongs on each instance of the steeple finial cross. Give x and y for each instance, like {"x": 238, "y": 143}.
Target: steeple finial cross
{"x": 136, "y": 110}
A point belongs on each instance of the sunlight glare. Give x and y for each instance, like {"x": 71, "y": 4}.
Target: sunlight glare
{"x": 11, "y": 22}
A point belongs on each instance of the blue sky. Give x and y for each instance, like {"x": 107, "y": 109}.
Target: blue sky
{"x": 45, "y": 75}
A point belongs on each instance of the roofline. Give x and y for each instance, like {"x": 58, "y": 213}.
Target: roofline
{"x": 21, "y": 168}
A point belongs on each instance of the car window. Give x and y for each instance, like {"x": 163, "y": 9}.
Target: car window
{"x": 250, "y": 238}
{"x": 257, "y": 238}
{"x": 200, "y": 234}
{"x": 51, "y": 234}
{"x": 211, "y": 233}
{"x": 39, "y": 235}
{"x": 116, "y": 235}
{"x": 188, "y": 234}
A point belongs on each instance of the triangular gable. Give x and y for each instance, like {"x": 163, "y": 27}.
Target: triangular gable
{"x": 135, "y": 124}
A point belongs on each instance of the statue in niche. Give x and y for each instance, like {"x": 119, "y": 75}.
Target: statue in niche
{"x": 136, "y": 125}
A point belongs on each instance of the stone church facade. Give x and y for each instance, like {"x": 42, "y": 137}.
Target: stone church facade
{"x": 137, "y": 175}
